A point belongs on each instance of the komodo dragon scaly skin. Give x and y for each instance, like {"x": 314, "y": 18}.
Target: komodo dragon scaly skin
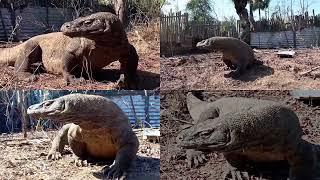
{"x": 85, "y": 45}
{"x": 237, "y": 54}
{"x": 201, "y": 111}
{"x": 99, "y": 129}
{"x": 263, "y": 134}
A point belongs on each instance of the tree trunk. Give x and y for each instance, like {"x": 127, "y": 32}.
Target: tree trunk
{"x": 3, "y": 26}
{"x": 251, "y": 15}
{"x": 119, "y": 6}
{"x": 240, "y": 6}
{"x": 22, "y": 104}
{"x": 12, "y": 12}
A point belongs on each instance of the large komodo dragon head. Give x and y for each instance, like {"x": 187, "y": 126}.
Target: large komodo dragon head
{"x": 216, "y": 43}
{"x": 267, "y": 126}
{"x": 99, "y": 25}
{"x": 79, "y": 108}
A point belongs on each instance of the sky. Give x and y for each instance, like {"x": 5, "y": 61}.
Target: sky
{"x": 225, "y": 8}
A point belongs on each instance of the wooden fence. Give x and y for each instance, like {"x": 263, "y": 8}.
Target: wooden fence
{"x": 32, "y": 21}
{"x": 178, "y": 34}
{"x": 173, "y": 28}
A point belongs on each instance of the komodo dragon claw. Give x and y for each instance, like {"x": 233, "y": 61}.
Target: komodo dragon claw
{"x": 81, "y": 163}
{"x": 114, "y": 172}
{"x": 54, "y": 155}
{"x": 123, "y": 82}
{"x": 236, "y": 175}
{"x": 195, "y": 157}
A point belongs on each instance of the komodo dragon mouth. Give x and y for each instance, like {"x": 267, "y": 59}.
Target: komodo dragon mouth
{"x": 213, "y": 139}
{"x": 205, "y": 146}
{"x": 204, "y": 44}
{"x": 47, "y": 108}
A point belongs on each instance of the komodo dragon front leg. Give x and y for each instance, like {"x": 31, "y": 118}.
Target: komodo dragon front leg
{"x": 125, "y": 156}
{"x": 194, "y": 157}
{"x": 59, "y": 142}
{"x": 228, "y": 63}
{"x": 199, "y": 111}
{"x": 70, "y": 67}
{"x": 240, "y": 69}
{"x": 129, "y": 64}
{"x": 302, "y": 161}
{"x": 30, "y": 54}
{"x": 235, "y": 165}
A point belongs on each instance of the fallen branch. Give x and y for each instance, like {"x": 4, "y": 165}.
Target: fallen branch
{"x": 309, "y": 71}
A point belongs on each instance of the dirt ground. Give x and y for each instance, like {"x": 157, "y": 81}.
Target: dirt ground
{"x": 174, "y": 112}
{"x": 146, "y": 42}
{"x": 205, "y": 72}
{"x": 26, "y": 159}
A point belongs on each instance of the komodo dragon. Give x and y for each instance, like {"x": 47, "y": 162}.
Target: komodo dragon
{"x": 99, "y": 130}
{"x": 201, "y": 111}
{"x": 85, "y": 45}
{"x": 237, "y": 54}
{"x": 259, "y": 135}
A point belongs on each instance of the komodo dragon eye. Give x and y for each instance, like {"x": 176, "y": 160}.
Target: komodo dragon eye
{"x": 88, "y": 22}
{"x": 205, "y": 132}
{"x": 48, "y": 103}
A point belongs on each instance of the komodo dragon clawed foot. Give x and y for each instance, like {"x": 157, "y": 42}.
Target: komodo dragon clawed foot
{"x": 235, "y": 73}
{"x": 114, "y": 171}
{"x": 54, "y": 155}
{"x": 81, "y": 162}
{"x": 125, "y": 83}
{"x": 71, "y": 79}
{"x": 195, "y": 157}
{"x": 235, "y": 174}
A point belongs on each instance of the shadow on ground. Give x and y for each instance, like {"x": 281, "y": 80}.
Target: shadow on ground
{"x": 256, "y": 72}
{"x": 138, "y": 170}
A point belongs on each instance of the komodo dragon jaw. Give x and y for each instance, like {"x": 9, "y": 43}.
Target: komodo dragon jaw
{"x": 47, "y": 108}
{"x": 202, "y": 136}
{"x": 99, "y": 23}
{"x": 205, "y": 44}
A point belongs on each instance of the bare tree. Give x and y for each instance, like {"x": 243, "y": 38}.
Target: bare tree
{"x": 120, "y": 9}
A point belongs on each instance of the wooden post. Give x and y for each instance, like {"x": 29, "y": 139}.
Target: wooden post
{"x": 146, "y": 107}
{"x": 3, "y": 26}
{"x": 21, "y": 98}
{"x": 47, "y": 16}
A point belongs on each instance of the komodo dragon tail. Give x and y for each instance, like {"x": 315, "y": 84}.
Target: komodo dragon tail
{"x": 195, "y": 106}
{"x": 8, "y": 56}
